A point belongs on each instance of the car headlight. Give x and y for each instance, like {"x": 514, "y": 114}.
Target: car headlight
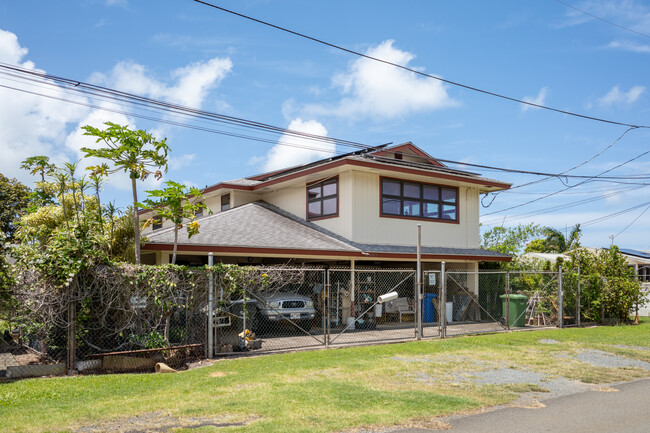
{"x": 310, "y": 304}
{"x": 274, "y": 304}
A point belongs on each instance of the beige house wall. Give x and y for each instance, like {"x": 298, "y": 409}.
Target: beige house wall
{"x": 292, "y": 199}
{"x": 369, "y": 227}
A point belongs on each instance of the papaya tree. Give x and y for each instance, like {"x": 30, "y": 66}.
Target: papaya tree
{"x": 136, "y": 152}
{"x": 176, "y": 203}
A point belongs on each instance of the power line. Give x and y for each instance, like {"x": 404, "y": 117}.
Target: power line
{"x": 112, "y": 94}
{"x": 570, "y": 186}
{"x": 174, "y": 110}
{"x": 569, "y": 205}
{"x": 423, "y": 74}
{"x": 602, "y": 19}
{"x": 633, "y": 221}
{"x": 613, "y": 215}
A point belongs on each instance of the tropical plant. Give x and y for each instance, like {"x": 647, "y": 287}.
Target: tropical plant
{"x": 509, "y": 240}
{"x": 176, "y": 203}
{"x": 555, "y": 241}
{"x": 609, "y": 288}
{"x": 14, "y": 199}
{"x": 39, "y": 164}
{"x": 136, "y": 152}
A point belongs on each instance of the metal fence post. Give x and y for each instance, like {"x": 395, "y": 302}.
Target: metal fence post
{"x": 560, "y": 298}
{"x": 210, "y": 351}
{"x": 327, "y": 305}
{"x": 578, "y": 309}
{"x": 71, "y": 334}
{"x": 507, "y": 312}
{"x": 443, "y": 301}
{"x": 418, "y": 287}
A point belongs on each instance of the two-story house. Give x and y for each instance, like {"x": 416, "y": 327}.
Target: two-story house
{"x": 357, "y": 209}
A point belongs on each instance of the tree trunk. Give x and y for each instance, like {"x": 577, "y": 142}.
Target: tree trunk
{"x": 175, "y": 243}
{"x": 136, "y": 218}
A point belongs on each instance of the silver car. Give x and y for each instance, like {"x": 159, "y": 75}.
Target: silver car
{"x": 265, "y": 310}
{"x": 280, "y": 306}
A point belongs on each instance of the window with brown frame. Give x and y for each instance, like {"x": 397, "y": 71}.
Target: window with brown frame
{"x": 225, "y": 202}
{"x": 157, "y": 223}
{"x": 418, "y": 200}
{"x": 323, "y": 199}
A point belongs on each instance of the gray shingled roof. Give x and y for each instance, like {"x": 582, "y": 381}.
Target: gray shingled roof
{"x": 254, "y": 225}
{"x": 261, "y": 225}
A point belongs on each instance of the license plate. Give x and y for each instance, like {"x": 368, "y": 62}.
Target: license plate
{"x": 295, "y": 316}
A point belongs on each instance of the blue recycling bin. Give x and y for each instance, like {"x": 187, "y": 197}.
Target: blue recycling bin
{"x": 428, "y": 310}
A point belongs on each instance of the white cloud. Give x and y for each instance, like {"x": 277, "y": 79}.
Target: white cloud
{"x": 30, "y": 124}
{"x": 617, "y": 97}
{"x": 629, "y": 46}
{"x": 291, "y": 150}
{"x": 374, "y": 89}
{"x": 182, "y": 161}
{"x": 540, "y": 99}
{"x": 34, "y": 125}
{"x": 193, "y": 82}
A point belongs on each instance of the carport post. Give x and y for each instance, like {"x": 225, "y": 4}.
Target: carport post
{"x": 442, "y": 320}
{"x": 418, "y": 288}
{"x": 210, "y": 308}
{"x": 560, "y": 299}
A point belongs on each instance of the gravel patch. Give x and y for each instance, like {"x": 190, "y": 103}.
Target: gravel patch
{"x": 625, "y": 346}
{"x": 557, "y": 387}
{"x": 548, "y": 341}
{"x": 598, "y": 358}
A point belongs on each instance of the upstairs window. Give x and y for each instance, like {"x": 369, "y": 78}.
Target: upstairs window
{"x": 323, "y": 199}
{"x": 157, "y": 223}
{"x": 225, "y": 202}
{"x": 418, "y": 200}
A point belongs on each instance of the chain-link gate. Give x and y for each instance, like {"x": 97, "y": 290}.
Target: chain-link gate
{"x": 474, "y": 301}
{"x": 357, "y": 316}
{"x": 288, "y": 312}
{"x": 537, "y": 294}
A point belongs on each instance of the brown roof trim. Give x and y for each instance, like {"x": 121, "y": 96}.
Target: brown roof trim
{"x": 412, "y": 147}
{"x": 368, "y": 164}
{"x": 226, "y": 186}
{"x": 296, "y": 252}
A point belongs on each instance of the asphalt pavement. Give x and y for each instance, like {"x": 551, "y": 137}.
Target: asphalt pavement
{"x": 627, "y": 410}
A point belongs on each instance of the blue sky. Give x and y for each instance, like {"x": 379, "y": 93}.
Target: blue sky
{"x": 186, "y": 53}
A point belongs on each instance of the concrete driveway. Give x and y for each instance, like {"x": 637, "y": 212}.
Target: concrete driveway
{"x": 626, "y": 410}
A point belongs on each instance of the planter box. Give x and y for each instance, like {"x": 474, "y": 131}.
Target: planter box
{"x": 127, "y": 363}
{"x": 35, "y": 370}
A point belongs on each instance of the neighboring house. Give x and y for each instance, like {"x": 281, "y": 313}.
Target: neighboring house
{"x": 640, "y": 261}
{"x": 358, "y": 209}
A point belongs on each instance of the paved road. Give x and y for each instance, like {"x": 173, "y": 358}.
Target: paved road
{"x": 589, "y": 412}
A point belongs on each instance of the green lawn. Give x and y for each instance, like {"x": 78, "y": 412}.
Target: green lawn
{"x": 319, "y": 391}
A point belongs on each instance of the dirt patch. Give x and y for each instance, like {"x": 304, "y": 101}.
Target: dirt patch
{"x": 157, "y": 422}
{"x": 218, "y": 374}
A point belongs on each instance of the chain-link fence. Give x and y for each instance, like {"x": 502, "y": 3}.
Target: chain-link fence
{"x": 357, "y": 315}
{"x": 127, "y": 318}
{"x": 289, "y": 312}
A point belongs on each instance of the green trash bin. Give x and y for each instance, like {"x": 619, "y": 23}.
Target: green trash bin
{"x": 516, "y": 317}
